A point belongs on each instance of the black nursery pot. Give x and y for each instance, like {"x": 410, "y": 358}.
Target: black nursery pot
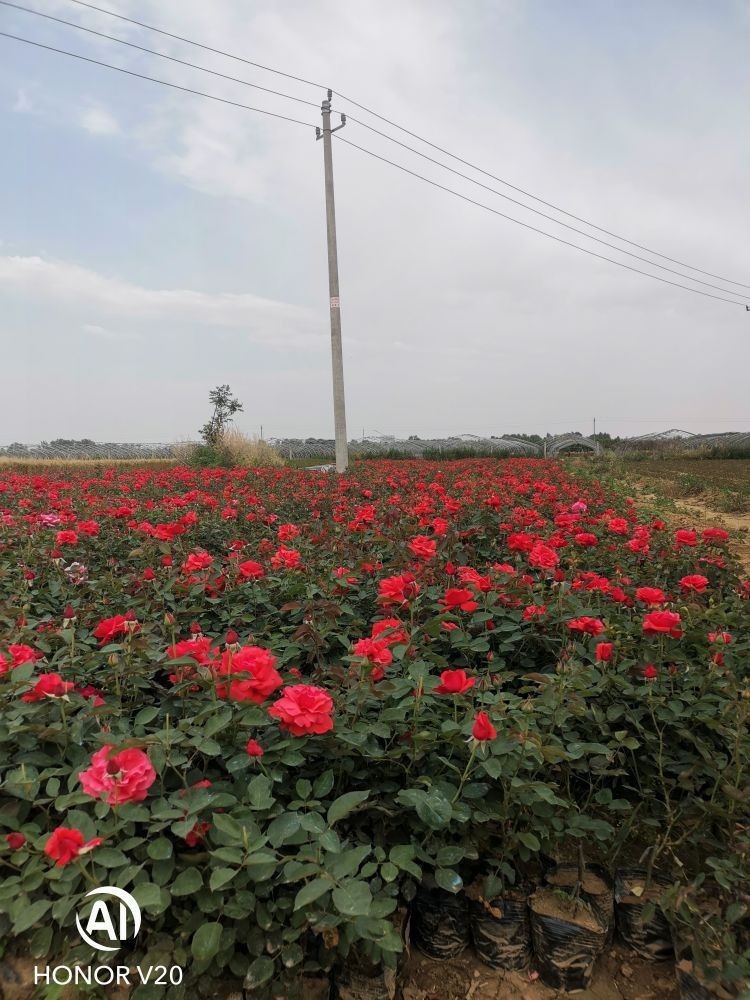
{"x": 439, "y": 922}
{"x": 597, "y": 890}
{"x": 651, "y": 940}
{"x": 362, "y": 983}
{"x": 566, "y": 948}
{"x": 501, "y": 930}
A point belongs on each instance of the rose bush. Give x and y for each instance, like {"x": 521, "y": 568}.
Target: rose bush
{"x": 268, "y": 702}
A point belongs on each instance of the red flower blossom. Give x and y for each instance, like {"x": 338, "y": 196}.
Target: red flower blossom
{"x": 534, "y": 611}
{"x": 48, "y": 686}
{"x": 397, "y": 589}
{"x": 695, "y": 583}
{"x": 391, "y": 631}
{"x": 650, "y": 595}
{"x": 590, "y": 626}
{"x": 662, "y": 623}
{"x": 483, "y": 730}
{"x": 455, "y": 682}
{"x": 543, "y": 557}
{"x": 304, "y": 709}
{"x": 423, "y": 547}
{"x": 110, "y": 628}
{"x": 287, "y": 532}
{"x": 65, "y": 844}
{"x": 376, "y": 653}
{"x": 250, "y": 570}
{"x": 604, "y": 652}
{"x": 66, "y": 538}
{"x": 197, "y": 561}
{"x": 650, "y": 672}
{"x": 254, "y": 749}
{"x": 715, "y": 535}
{"x": 252, "y": 674}
{"x": 118, "y": 778}
{"x": 285, "y": 558}
{"x": 686, "y": 538}
{"x": 197, "y": 835}
{"x": 15, "y": 841}
{"x": 459, "y": 600}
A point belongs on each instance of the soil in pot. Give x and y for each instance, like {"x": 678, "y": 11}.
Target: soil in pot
{"x": 651, "y": 939}
{"x": 596, "y": 889}
{"x": 568, "y": 937}
{"x": 500, "y": 927}
{"x": 439, "y": 922}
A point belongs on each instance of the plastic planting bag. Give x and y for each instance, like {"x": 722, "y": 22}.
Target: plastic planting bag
{"x": 501, "y": 930}
{"x": 439, "y": 922}
{"x": 567, "y": 940}
{"x": 596, "y": 889}
{"x": 650, "y": 939}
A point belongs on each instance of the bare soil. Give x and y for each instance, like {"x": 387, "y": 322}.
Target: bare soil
{"x": 619, "y": 975}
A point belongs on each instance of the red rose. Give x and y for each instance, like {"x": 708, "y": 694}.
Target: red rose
{"x": 15, "y": 841}
{"x": 251, "y": 672}
{"x": 250, "y": 570}
{"x": 696, "y": 583}
{"x": 110, "y": 628}
{"x": 483, "y": 729}
{"x": 715, "y": 535}
{"x": 304, "y": 709}
{"x": 66, "y": 538}
{"x": 454, "y": 682}
{"x": 604, "y": 651}
{"x": 423, "y": 547}
{"x": 685, "y": 538}
{"x": 397, "y": 589}
{"x": 650, "y": 595}
{"x": 254, "y": 749}
{"x": 118, "y": 778}
{"x": 48, "y": 686}
{"x": 459, "y": 600}
{"x": 662, "y": 623}
{"x": 590, "y": 626}
{"x": 65, "y": 844}
{"x": 391, "y": 631}
{"x": 650, "y": 672}
{"x": 376, "y": 653}
{"x": 543, "y": 557}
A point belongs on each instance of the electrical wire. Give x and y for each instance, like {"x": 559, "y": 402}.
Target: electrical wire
{"x": 536, "y": 211}
{"x": 153, "y": 79}
{"x": 200, "y": 45}
{"x": 528, "y": 194}
{"x": 557, "y": 239}
{"x": 155, "y": 52}
{"x": 414, "y": 135}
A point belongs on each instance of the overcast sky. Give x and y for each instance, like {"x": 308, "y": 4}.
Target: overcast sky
{"x": 154, "y": 244}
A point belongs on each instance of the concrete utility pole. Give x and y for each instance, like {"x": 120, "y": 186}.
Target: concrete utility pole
{"x": 337, "y": 359}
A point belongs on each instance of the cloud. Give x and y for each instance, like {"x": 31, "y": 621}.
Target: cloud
{"x": 76, "y": 288}
{"x": 23, "y": 105}
{"x": 98, "y": 121}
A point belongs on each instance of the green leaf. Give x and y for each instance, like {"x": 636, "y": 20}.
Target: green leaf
{"x": 109, "y": 857}
{"x": 323, "y": 785}
{"x": 206, "y": 940}
{"x": 312, "y": 891}
{"x": 448, "y": 879}
{"x": 188, "y": 881}
{"x": 160, "y": 849}
{"x": 434, "y": 809}
{"x": 530, "y": 841}
{"x": 259, "y": 972}
{"x": 344, "y": 804}
{"x": 220, "y": 877}
{"x": 353, "y": 899}
{"x": 29, "y": 915}
{"x": 282, "y": 828}
{"x": 388, "y": 872}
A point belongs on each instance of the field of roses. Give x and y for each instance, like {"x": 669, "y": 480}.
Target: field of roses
{"x": 270, "y": 703}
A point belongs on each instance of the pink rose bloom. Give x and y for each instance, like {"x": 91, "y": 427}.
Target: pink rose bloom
{"x": 304, "y": 709}
{"x": 118, "y": 778}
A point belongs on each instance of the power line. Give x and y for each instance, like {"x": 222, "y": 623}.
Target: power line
{"x": 536, "y": 211}
{"x": 528, "y": 194}
{"x": 558, "y": 239}
{"x": 458, "y": 173}
{"x": 153, "y": 79}
{"x": 419, "y": 138}
{"x": 200, "y": 45}
{"x": 154, "y": 52}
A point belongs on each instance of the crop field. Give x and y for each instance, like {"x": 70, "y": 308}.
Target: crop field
{"x": 456, "y": 725}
